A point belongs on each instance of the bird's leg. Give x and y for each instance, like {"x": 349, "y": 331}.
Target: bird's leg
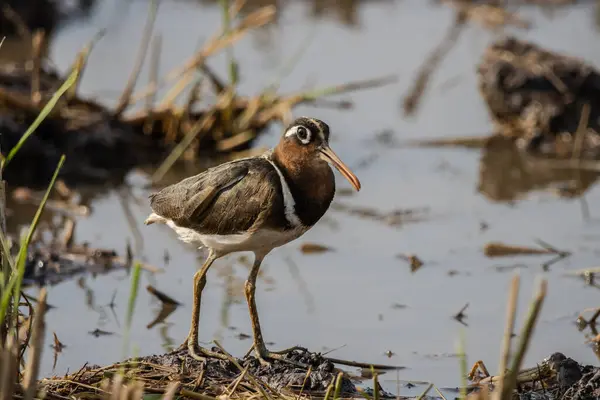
{"x": 191, "y": 341}
{"x": 259, "y": 344}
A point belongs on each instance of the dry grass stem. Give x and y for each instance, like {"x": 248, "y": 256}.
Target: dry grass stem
{"x": 498, "y": 249}
{"x": 35, "y": 351}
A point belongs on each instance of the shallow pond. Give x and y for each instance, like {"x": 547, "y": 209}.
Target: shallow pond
{"x": 361, "y": 298}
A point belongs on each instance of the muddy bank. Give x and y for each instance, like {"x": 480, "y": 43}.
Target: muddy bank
{"x": 97, "y": 147}
{"x": 542, "y": 99}
{"x": 211, "y": 378}
{"x": 556, "y": 377}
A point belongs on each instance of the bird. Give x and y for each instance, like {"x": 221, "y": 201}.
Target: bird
{"x": 253, "y": 204}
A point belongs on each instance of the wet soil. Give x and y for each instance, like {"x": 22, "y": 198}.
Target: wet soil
{"x": 563, "y": 379}
{"x": 98, "y": 148}
{"x": 548, "y": 101}
{"x": 211, "y": 377}
{"x": 566, "y": 379}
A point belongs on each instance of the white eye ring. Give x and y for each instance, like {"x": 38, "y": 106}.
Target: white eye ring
{"x": 301, "y": 132}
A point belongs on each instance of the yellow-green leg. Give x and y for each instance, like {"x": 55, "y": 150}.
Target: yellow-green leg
{"x": 191, "y": 342}
{"x": 259, "y": 344}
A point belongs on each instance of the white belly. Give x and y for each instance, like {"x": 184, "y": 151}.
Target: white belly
{"x": 262, "y": 240}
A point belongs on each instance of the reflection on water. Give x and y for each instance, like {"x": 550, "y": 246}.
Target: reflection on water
{"x": 506, "y": 174}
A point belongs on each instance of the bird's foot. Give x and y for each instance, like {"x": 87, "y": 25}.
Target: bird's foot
{"x": 199, "y": 353}
{"x": 266, "y": 357}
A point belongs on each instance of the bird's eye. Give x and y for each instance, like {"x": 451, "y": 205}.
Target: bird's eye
{"x": 302, "y": 134}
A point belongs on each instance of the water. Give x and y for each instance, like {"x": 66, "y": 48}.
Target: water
{"x": 349, "y": 297}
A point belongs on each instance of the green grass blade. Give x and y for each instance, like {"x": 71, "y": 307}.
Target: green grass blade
{"x": 133, "y": 293}
{"x": 6, "y": 250}
{"x": 6, "y": 295}
{"x": 6, "y": 290}
{"x": 22, "y": 256}
{"x": 338, "y": 386}
{"x": 42, "y": 115}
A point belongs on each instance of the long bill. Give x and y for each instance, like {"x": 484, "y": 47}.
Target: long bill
{"x": 328, "y": 155}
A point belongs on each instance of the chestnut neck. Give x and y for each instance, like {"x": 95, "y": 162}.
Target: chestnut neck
{"x": 310, "y": 179}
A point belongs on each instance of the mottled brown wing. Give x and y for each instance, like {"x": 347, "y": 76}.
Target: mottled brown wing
{"x": 226, "y": 199}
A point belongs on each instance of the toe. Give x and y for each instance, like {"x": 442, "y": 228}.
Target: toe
{"x": 266, "y": 356}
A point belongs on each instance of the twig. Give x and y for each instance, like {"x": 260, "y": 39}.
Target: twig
{"x": 237, "y": 381}
{"x": 232, "y": 64}
{"x": 154, "y": 68}
{"x": 472, "y": 142}
{"x": 81, "y": 62}
{"x": 439, "y": 392}
{"x": 33, "y": 362}
{"x": 29, "y": 330}
{"x": 125, "y": 99}
{"x": 254, "y": 20}
{"x": 497, "y": 249}
{"x": 315, "y": 94}
{"x": 411, "y": 100}
{"x": 552, "y": 249}
{"x": 38, "y": 42}
{"x": 196, "y": 396}
{"x": 9, "y": 363}
{"x": 363, "y": 365}
{"x": 427, "y": 389}
{"x": 20, "y": 26}
{"x": 200, "y": 126}
{"x": 238, "y": 366}
{"x": 583, "y": 272}
{"x": 291, "y": 63}
{"x": 124, "y": 196}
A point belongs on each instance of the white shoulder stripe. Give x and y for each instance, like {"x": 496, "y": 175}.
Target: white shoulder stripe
{"x": 288, "y": 199}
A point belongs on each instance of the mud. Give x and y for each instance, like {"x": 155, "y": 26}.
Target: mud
{"x": 539, "y": 98}
{"x": 556, "y": 377}
{"x": 210, "y": 377}
{"x": 565, "y": 379}
{"x": 98, "y": 149}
